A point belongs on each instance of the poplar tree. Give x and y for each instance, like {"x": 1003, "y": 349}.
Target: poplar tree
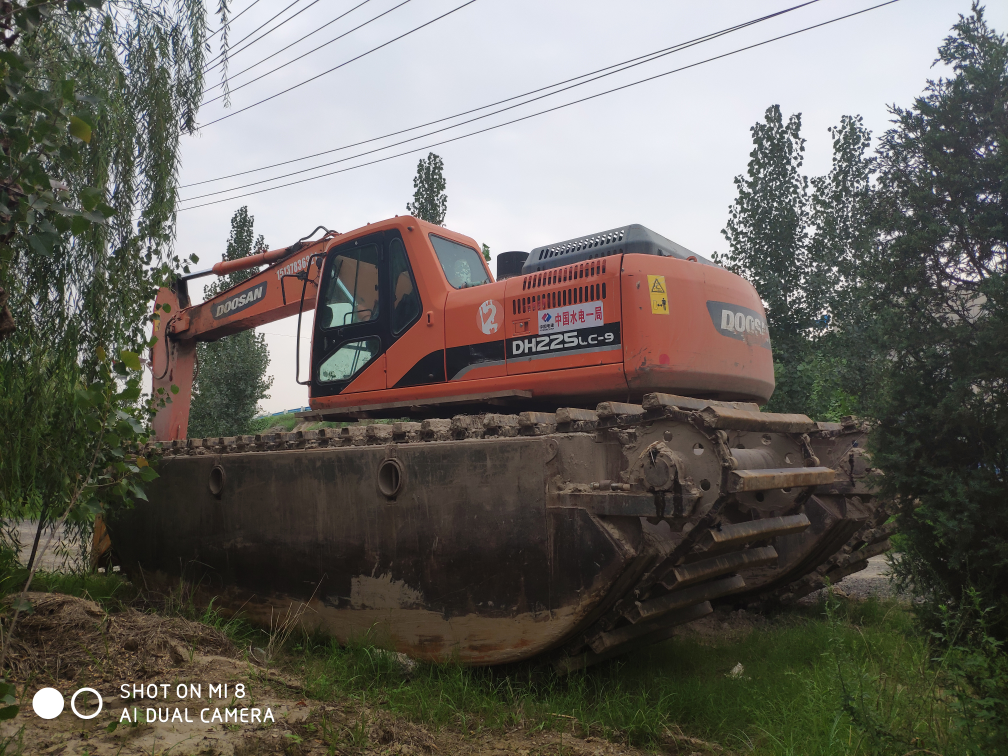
{"x": 430, "y": 203}
{"x": 231, "y": 375}
{"x": 767, "y": 234}
{"x": 804, "y": 244}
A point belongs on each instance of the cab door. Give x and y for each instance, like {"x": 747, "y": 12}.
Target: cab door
{"x": 352, "y": 319}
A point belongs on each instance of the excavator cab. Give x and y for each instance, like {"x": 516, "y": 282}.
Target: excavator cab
{"x": 369, "y": 299}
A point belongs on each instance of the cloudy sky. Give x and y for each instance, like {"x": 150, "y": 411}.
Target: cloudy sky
{"x": 662, "y": 153}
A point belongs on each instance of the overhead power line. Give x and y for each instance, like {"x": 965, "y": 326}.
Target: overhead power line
{"x": 304, "y": 55}
{"x": 586, "y": 79}
{"x": 295, "y": 42}
{"x": 220, "y": 56}
{"x": 548, "y": 110}
{"x": 232, "y": 53}
{"x": 341, "y": 65}
{"x": 242, "y": 13}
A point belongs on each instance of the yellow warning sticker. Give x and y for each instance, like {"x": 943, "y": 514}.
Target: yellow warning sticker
{"x": 659, "y": 296}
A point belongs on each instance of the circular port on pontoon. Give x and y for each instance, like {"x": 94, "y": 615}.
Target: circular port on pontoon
{"x": 698, "y": 449}
{"x": 705, "y": 484}
{"x": 217, "y": 480}
{"x": 767, "y": 440}
{"x": 390, "y": 477}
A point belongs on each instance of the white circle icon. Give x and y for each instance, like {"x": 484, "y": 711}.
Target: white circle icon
{"x": 48, "y": 703}
{"x": 73, "y": 701}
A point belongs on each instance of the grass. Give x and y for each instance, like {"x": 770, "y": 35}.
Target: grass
{"x": 288, "y": 422}
{"x": 797, "y": 694}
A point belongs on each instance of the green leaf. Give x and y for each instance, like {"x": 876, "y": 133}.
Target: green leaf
{"x": 8, "y": 712}
{"x": 174, "y": 389}
{"x": 166, "y": 307}
{"x": 80, "y": 129}
{"x": 39, "y": 242}
{"x": 79, "y": 225}
{"x": 90, "y": 197}
{"x": 131, "y": 359}
{"x": 129, "y": 395}
{"x": 22, "y": 605}
{"x": 112, "y": 726}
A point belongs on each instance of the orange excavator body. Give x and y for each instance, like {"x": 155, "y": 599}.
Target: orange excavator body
{"x": 409, "y": 318}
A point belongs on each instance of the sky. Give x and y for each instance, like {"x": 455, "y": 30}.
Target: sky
{"x": 663, "y": 153}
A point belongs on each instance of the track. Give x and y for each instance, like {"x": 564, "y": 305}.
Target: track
{"x": 598, "y": 531}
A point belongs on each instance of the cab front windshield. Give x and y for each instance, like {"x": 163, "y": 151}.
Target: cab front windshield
{"x": 462, "y": 265}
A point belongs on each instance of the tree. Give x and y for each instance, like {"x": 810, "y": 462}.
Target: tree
{"x": 804, "y": 252}
{"x": 942, "y": 324}
{"x": 93, "y": 105}
{"x": 430, "y": 203}
{"x": 841, "y": 213}
{"x": 486, "y": 252}
{"x": 767, "y": 235}
{"x": 840, "y": 242}
{"x": 231, "y": 378}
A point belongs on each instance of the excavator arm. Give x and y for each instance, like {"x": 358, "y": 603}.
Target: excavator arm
{"x": 284, "y": 288}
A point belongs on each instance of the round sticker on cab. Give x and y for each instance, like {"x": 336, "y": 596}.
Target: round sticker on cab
{"x": 489, "y": 316}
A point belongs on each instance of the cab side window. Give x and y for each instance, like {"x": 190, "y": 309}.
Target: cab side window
{"x": 462, "y": 265}
{"x": 405, "y": 299}
{"x": 351, "y": 288}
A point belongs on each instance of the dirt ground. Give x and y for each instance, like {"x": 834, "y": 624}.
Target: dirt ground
{"x": 70, "y": 643}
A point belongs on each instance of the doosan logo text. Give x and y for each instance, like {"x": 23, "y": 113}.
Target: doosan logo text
{"x": 738, "y": 322}
{"x": 240, "y": 301}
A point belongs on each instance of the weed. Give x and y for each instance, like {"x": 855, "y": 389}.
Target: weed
{"x": 949, "y": 695}
{"x": 790, "y": 698}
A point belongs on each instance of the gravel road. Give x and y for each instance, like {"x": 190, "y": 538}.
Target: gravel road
{"x": 871, "y": 581}
{"x": 53, "y": 559}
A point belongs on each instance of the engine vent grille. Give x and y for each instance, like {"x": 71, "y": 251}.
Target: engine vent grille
{"x": 632, "y": 239}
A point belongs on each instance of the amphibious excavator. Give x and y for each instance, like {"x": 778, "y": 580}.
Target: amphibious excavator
{"x": 573, "y": 460}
